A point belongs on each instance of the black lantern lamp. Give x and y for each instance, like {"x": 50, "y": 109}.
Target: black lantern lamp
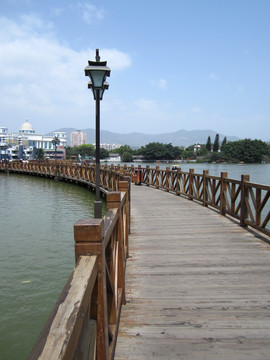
{"x": 97, "y": 71}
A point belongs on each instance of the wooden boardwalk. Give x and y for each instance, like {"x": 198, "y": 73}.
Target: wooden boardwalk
{"x": 198, "y": 285}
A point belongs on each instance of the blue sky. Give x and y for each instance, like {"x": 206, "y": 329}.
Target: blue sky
{"x": 193, "y": 64}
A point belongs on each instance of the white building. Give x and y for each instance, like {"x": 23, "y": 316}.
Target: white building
{"x": 26, "y": 141}
{"x": 77, "y": 138}
{"x": 109, "y": 147}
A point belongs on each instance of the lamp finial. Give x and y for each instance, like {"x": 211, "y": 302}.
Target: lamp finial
{"x": 97, "y": 55}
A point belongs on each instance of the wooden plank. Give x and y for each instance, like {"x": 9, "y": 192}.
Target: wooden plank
{"x": 197, "y": 284}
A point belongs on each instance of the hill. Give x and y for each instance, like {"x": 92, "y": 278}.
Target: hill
{"x": 136, "y": 139}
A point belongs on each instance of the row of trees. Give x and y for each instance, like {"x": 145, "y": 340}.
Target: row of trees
{"x": 215, "y": 146}
{"x": 85, "y": 151}
{"x": 247, "y": 150}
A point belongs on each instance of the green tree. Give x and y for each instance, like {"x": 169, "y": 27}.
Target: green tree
{"x": 159, "y": 151}
{"x": 104, "y": 154}
{"x": 208, "y": 144}
{"x": 84, "y": 150}
{"x": 40, "y": 154}
{"x": 223, "y": 143}
{"x": 216, "y": 143}
{"x": 247, "y": 150}
{"x": 202, "y": 151}
{"x": 122, "y": 149}
{"x": 126, "y": 157}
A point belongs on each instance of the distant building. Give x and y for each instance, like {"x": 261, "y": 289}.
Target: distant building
{"x": 114, "y": 157}
{"x": 77, "y": 138}
{"x": 109, "y": 147}
{"x": 197, "y": 147}
{"x": 23, "y": 145}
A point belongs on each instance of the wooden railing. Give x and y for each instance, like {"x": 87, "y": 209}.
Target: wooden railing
{"x": 84, "y": 322}
{"x": 67, "y": 171}
{"x": 246, "y": 201}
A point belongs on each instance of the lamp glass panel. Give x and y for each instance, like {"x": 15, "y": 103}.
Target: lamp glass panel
{"x": 98, "y": 78}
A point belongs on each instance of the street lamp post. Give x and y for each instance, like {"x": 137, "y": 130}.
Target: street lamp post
{"x": 55, "y": 142}
{"x": 6, "y": 169}
{"x": 5, "y": 146}
{"x": 97, "y": 72}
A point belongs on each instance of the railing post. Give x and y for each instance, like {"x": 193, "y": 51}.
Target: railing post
{"x": 205, "y": 184}
{"x": 244, "y": 198}
{"x": 140, "y": 169}
{"x": 190, "y": 187}
{"x": 125, "y": 187}
{"x": 222, "y": 193}
{"x": 89, "y": 240}
{"x": 258, "y": 204}
{"x": 147, "y": 170}
{"x": 178, "y": 175}
{"x": 114, "y": 201}
{"x": 157, "y": 177}
{"x": 167, "y": 179}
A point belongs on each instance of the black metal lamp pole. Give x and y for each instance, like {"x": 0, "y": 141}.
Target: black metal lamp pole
{"x": 97, "y": 204}
{"x": 6, "y": 169}
{"x": 97, "y": 71}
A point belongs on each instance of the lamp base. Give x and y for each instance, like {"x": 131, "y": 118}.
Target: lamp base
{"x": 97, "y": 210}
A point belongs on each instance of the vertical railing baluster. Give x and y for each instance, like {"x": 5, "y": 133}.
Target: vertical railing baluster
{"x": 244, "y": 199}
{"x": 223, "y": 188}
{"x": 190, "y": 187}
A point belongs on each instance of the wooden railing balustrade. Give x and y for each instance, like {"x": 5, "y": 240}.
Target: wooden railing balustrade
{"x": 110, "y": 175}
{"x": 244, "y": 200}
{"x": 84, "y": 322}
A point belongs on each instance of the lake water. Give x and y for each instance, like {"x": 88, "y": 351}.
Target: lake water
{"x": 37, "y": 247}
{"x": 37, "y": 254}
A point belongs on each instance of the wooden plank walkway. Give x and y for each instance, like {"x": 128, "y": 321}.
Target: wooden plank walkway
{"x": 198, "y": 285}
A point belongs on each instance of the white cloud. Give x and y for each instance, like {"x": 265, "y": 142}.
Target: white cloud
{"x": 161, "y": 83}
{"x": 90, "y": 12}
{"x": 146, "y": 105}
{"x": 56, "y": 12}
{"x": 39, "y": 75}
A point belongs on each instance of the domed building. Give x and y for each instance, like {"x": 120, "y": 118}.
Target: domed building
{"x": 26, "y": 128}
{"x": 23, "y": 145}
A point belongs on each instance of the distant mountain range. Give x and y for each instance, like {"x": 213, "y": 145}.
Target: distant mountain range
{"x": 136, "y": 139}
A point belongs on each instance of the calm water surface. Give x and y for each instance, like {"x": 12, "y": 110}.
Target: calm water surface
{"x": 37, "y": 254}
{"x": 37, "y": 247}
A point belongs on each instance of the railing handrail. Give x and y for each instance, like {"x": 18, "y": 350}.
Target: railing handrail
{"x": 60, "y": 337}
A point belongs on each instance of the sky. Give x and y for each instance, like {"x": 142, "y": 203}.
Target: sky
{"x": 175, "y": 64}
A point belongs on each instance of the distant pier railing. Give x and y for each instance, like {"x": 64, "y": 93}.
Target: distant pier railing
{"x": 244, "y": 200}
{"x": 110, "y": 175}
